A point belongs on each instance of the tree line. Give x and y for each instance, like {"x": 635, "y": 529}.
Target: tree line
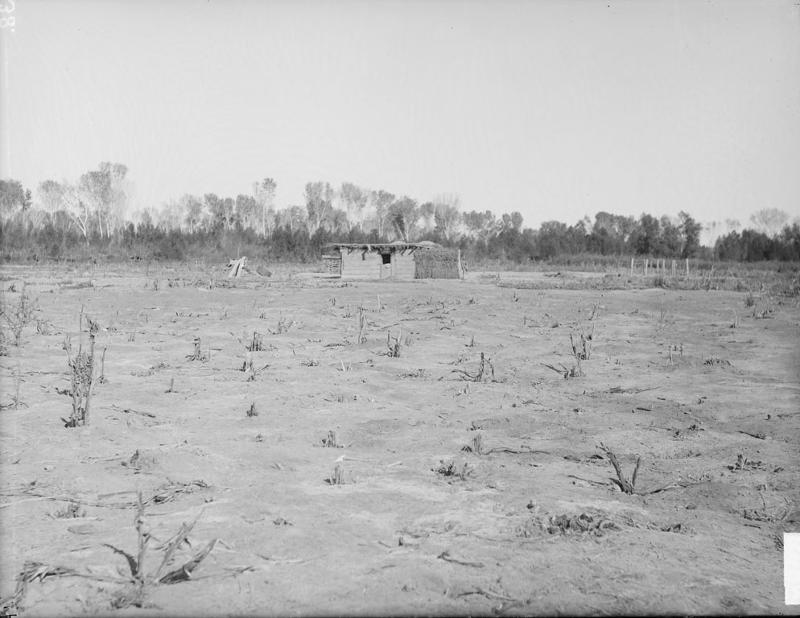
{"x": 91, "y": 215}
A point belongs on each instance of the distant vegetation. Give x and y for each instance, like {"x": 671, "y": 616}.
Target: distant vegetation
{"x": 89, "y": 218}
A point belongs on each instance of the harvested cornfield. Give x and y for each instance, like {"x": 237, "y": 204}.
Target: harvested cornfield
{"x": 437, "y": 264}
{"x": 408, "y": 447}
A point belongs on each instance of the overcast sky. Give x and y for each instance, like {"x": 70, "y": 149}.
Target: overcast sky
{"x": 555, "y": 109}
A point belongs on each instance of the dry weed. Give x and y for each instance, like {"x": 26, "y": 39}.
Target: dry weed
{"x": 138, "y": 582}
{"x": 197, "y": 354}
{"x": 72, "y": 510}
{"x": 485, "y": 371}
{"x": 476, "y": 446}
{"x": 283, "y": 326}
{"x": 330, "y": 441}
{"x": 393, "y": 344}
{"x": 19, "y": 316}
{"x": 361, "y": 323}
{"x": 338, "y": 475}
{"x": 564, "y": 524}
{"x": 256, "y": 344}
{"x": 582, "y": 349}
{"x": 449, "y": 469}
{"x": 82, "y": 379}
{"x": 625, "y": 485}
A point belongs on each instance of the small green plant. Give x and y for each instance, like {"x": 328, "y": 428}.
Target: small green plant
{"x": 251, "y": 411}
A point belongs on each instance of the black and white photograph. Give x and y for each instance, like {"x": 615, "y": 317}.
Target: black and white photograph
{"x": 399, "y": 307}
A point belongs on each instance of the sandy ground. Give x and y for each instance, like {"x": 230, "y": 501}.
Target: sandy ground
{"x": 530, "y": 525}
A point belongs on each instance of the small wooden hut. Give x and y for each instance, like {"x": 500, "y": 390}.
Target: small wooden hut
{"x": 395, "y": 260}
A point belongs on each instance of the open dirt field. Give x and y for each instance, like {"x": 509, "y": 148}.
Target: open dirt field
{"x": 464, "y": 492}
